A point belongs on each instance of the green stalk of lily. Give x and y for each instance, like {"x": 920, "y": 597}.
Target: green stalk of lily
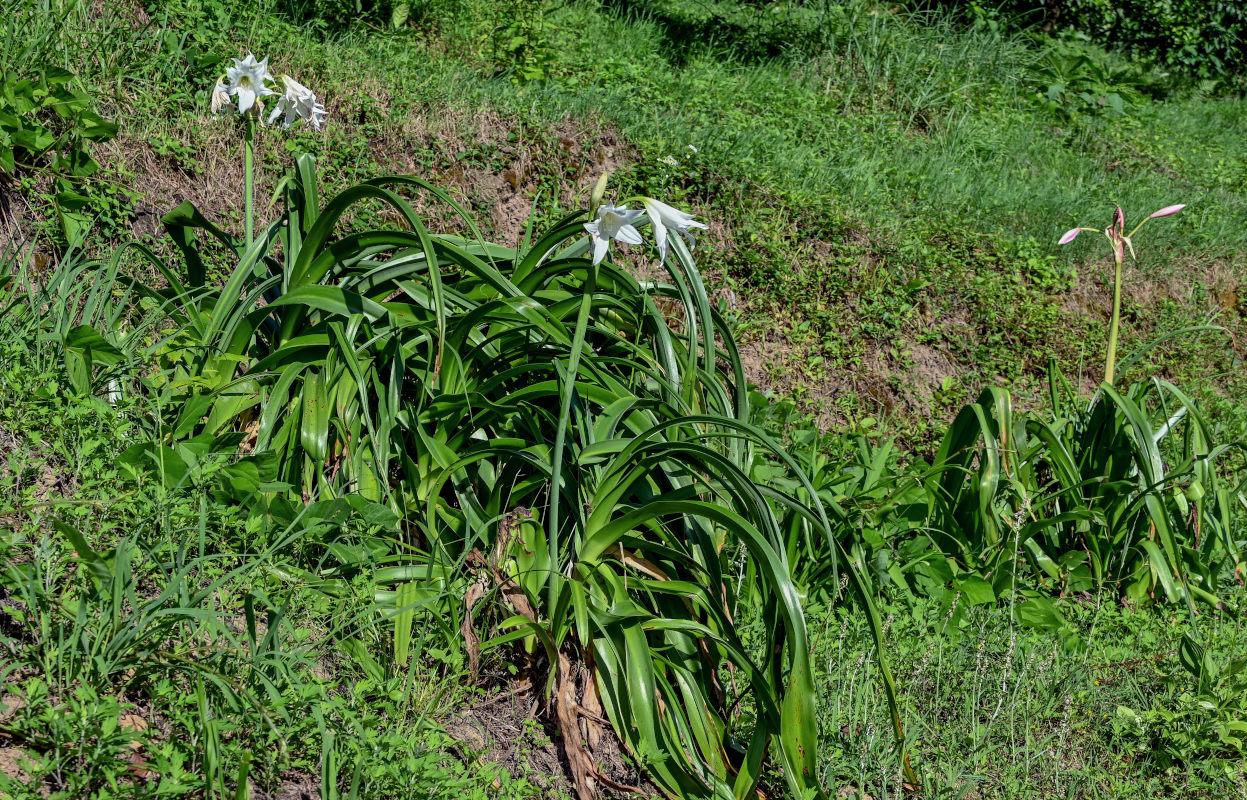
{"x": 1117, "y": 237}
{"x": 1120, "y": 240}
{"x": 1110, "y": 362}
{"x": 248, "y": 178}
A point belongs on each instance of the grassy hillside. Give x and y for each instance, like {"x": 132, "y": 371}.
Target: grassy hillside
{"x": 265, "y": 535}
{"x": 884, "y": 204}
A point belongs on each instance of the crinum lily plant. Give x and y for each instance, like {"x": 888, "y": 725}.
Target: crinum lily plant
{"x": 241, "y": 91}
{"x": 539, "y": 403}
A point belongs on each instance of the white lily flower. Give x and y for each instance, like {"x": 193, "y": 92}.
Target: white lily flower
{"x": 298, "y": 102}
{"x": 318, "y": 117}
{"x": 219, "y": 103}
{"x": 664, "y": 218}
{"x": 247, "y": 81}
{"x": 613, "y": 222}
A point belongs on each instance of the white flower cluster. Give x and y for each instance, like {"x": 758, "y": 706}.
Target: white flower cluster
{"x": 616, "y": 222}
{"x": 241, "y": 89}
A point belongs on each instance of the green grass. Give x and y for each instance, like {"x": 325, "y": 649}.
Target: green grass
{"x": 1004, "y": 711}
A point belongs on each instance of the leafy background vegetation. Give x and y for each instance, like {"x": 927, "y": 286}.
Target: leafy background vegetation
{"x": 1197, "y": 39}
{"x": 256, "y": 544}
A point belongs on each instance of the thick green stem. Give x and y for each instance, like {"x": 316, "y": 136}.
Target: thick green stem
{"x": 248, "y": 169}
{"x": 1110, "y": 363}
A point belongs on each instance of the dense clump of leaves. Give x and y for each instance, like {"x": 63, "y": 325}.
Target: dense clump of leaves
{"x": 1129, "y": 493}
{"x": 555, "y": 434}
{"x": 1073, "y": 78}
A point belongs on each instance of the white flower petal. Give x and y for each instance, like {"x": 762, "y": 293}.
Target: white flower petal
{"x": 247, "y": 80}
{"x": 246, "y": 99}
{"x": 608, "y": 222}
{"x": 612, "y": 222}
{"x": 669, "y": 216}
{"x": 600, "y": 244}
{"x": 629, "y": 235}
{"x": 660, "y": 237}
{"x": 299, "y": 102}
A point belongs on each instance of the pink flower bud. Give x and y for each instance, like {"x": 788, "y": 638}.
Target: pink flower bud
{"x": 1070, "y": 235}
{"x": 1167, "y": 210}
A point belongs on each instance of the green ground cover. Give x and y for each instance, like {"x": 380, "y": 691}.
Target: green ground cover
{"x": 994, "y": 708}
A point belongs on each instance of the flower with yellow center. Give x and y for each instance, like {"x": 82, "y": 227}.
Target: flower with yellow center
{"x": 248, "y": 81}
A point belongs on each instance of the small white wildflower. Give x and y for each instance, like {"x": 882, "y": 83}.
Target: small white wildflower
{"x": 612, "y": 222}
{"x": 670, "y": 161}
{"x": 691, "y": 147}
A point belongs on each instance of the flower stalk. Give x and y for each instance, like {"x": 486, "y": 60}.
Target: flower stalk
{"x": 1120, "y": 242}
{"x": 249, "y": 181}
{"x": 1110, "y": 362}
